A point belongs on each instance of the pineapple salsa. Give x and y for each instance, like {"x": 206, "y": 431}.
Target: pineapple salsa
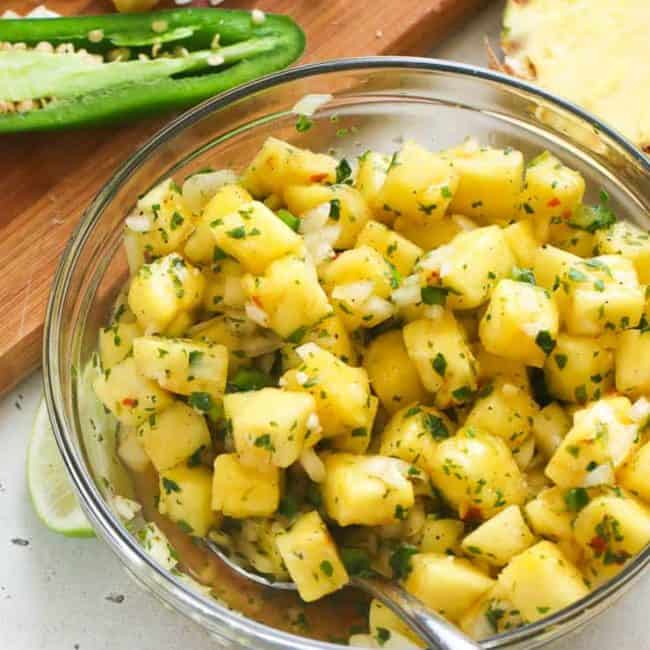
{"x": 432, "y": 366}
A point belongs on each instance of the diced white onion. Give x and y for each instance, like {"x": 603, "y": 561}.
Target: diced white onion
{"x": 134, "y": 252}
{"x": 433, "y": 260}
{"x": 198, "y": 189}
{"x": 306, "y": 350}
{"x": 320, "y": 243}
{"x": 156, "y": 544}
{"x": 302, "y": 377}
{"x": 601, "y": 475}
{"x": 126, "y": 509}
{"x": 406, "y": 295}
{"x": 313, "y": 423}
{"x": 354, "y": 292}
{"x": 139, "y": 222}
{"x": 391, "y": 471}
{"x": 312, "y": 465}
{"x": 379, "y": 308}
{"x": 640, "y": 410}
{"x": 620, "y": 445}
{"x": 445, "y": 269}
{"x": 257, "y": 314}
{"x": 309, "y": 104}
{"x": 314, "y": 219}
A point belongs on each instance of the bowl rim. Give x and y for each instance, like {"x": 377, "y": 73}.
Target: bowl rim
{"x": 123, "y": 544}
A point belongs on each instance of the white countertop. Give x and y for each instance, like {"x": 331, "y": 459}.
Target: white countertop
{"x": 59, "y": 594}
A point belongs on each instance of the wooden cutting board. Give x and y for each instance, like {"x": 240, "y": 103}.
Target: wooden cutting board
{"x": 47, "y": 180}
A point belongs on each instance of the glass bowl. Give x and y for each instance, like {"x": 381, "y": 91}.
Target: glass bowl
{"x": 376, "y": 102}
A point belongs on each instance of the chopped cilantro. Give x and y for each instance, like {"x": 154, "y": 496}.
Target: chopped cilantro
{"x": 576, "y": 499}
{"x": 522, "y": 275}
{"x": 303, "y": 123}
{"x": 439, "y": 364}
{"x": 545, "y": 341}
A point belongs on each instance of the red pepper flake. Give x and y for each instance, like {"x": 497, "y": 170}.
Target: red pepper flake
{"x": 130, "y": 402}
{"x": 472, "y": 514}
{"x": 554, "y": 202}
{"x": 257, "y": 301}
{"x": 434, "y": 275}
{"x": 599, "y": 544}
{"x": 317, "y": 178}
{"x": 566, "y": 215}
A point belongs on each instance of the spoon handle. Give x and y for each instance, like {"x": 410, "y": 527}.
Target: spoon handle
{"x": 435, "y": 630}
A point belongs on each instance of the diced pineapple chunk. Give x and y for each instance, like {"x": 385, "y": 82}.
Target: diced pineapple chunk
{"x": 279, "y": 164}
{"x": 579, "y": 369}
{"x": 442, "y": 536}
{"x": 541, "y": 581}
{"x": 398, "y": 250}
{"x": 613, "y": 528}
{"x": 254, "y": 236}
{"x": 550, "y": 267}
{"x": 603, "y": 295}
{"x": 371, "y": 174}
{"x": 329, "y": 334}
{"x": 241, "y": 491}
{"x": 447, "y": 584}
{"x": 271, "y": 426}
{"x": 477, "y": 474}
{"x": 521, "y": 323}
{"x": 160, "y": 291}
{"x": 170, "y": 221}
{"x": 507, "y": 412}
{"x": 357, "y": 440}
{"x": 342, "y": 393}
{"x": 432, "y": 234}
{"x": 380, "y": 617}
{"x": 492, "y": 614}
{"x": 244, "y": 339}
{"x": 490, "y": 184}
{"x": 523, "y": 242}
{"x": 287, "y": 298}
{"x": 174, "y": 435}
{"x": 128, "y": 395}
{"x": 223, "y": 287}
{"x": 602, "y": 437}
{"x": 466, "y": 270}
{"x": 413, "y": 434}
{"x": 201, "y": 247}
{"x": 311, "y": 557}
{"x": 183, "y": 366}
{"x": 419, "y": 185}
{"x": 443, "y": 360}
{"x": 393, "y": 376}
{"x": 549, "y": 515}
{"x": 359, "y": 281}
{"x": 185, "y": 498}
{"x": 552, "y": 192}
{"x": 633, "y": 362}
{"x": 366, "y": 490}
{"x": 493, "y": 367}
{"x": 635, "y": 474}
{"x": 345, "y": 207}
{"x": 629, "y": 241}
{"x": 550, "y": 425}
{"x": 499, "y": 539}
{"x": 115, "y": 342}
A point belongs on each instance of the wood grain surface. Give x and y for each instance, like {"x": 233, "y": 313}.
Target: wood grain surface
{"x": 47, "y": 180}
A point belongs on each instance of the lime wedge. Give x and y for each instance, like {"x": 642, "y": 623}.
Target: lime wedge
{"x": 54, "y": 501}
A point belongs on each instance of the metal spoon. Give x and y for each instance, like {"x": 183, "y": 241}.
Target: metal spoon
{"x": 432, "y": 628}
